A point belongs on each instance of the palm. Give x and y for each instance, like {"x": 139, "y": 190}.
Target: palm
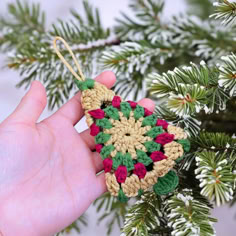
{"x": 50, "y": 168}
{"x": 50, "y": 181}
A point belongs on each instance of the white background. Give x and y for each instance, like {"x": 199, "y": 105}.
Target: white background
{"x": 10, "y": 96}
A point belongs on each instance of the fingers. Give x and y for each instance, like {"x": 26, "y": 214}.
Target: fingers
{"x": 72, "y": 110}
{"x": 31, "y": 106}
{"x": 100, "y": 185}
{"x": 98, "y": 163}
{"x": 147, "y": 103}
{"x": 89, "y": 140}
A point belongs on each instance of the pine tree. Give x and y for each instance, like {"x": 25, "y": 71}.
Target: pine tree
{"x": 187, "y": 65}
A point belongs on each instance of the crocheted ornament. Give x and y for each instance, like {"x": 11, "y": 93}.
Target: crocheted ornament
{"x": 138, "y": 149}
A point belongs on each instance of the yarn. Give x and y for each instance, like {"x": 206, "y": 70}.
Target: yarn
{"x": 125, "y": 109}
{"x": 98, "y": 147}
{"x": 150, "y": 120}
{"x": 102, "y": 138}
{"x": 94, "y": 129}
{"x": 166, "y": 184}
{"x": 138, "y": 149}
{"x": 157, "y": 156}
{"x": 185, "y": 143}
{"x": 125, "y": 160}
{"x": 107, "y": 163}
{"x": 147, "y": 112}
{"x": 162, "y": 123}
{"x": 132, "y": 104}
{"x": 128, "y": 162}
{"x": 97, "y": 114}
{"x": 140, "y": 170}
{"x": 104, "y": 123}
{"x": 140, "y": 192}
{"x": 177, "y": 132}
{"x": 121, "y": 174}
{"x": 138, "y": 112}
{"x": 142, "y": 157}
{"x": 116, "y": 101}
{"x": 122, "y": 197}
{"x": 87, "y": 84}
{"x": 112, "y": 112}
{"x": 152, "y": 146}
{"x": 106, "y": 150}
{"x": 131, "y": 186}
{"x": 173, "y": 150}
{"x": 153, "y": 132}
{"x": 117, "y": 160}
{"x": 164, "y": 138}
{"x": 111, "y": 183}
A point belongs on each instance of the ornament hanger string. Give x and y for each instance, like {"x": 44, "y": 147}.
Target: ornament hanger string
{"x": 81, "y": 75}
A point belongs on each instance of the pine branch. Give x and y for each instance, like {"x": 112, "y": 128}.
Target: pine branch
{"x": 142, "y": 45}
{"x": 147, "y": 20}
{"x": 165, "y": 45}
{"x": 228, "y": 74}
{"x": 189, "y": 123}
{"x": 225, "y": 11}
{"x": 191, "y": 89}
{"x": 216, "y": 175}
{"x": 82, "y": 221}
{"x": 34, "y": 57}
{"x": 131, "y": 61}
{"x": 131, "y": 56}
{"x": 202, "y": 8}
{"x": 214, "y": 141}
{"x": 205, "y": 39}
{"x": 145, "y": 216}
{"x": 114, "y": 211}
{"x": 25, "y": 21}
{"x": 80, "y": 30}
{"x": 189, "y": 216}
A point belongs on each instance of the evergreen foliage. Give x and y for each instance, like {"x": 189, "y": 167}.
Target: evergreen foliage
{"x": 226, "y": 11}
{"x": 113, "y": 211}
{"x": 189, "y": 216}
{"x": 145, "y": 216}
{"x": 186, "y": 64}
{"x": 76, "y": 226}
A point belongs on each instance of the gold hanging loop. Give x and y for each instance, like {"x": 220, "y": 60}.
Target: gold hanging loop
{"x": 81, "y": 75}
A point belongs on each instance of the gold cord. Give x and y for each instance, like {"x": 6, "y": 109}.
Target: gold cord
{"x": 80, "y": 76}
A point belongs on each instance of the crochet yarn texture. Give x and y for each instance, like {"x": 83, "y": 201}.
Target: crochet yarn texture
{"x": 138, "y": 149}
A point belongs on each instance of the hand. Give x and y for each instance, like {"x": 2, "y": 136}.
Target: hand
{"x": 47, "y": 170}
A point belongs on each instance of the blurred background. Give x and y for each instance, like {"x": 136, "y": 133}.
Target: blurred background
{"x": 10, "y": 95}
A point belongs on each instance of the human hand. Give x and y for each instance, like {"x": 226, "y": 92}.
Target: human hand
{"x": 47, "y": 170}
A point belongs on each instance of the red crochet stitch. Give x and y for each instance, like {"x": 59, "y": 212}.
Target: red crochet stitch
{"x": 121, "y": 174}
{"x": 94, "y": 129}
{"x": 147, "y": 112}
{"x": 157, "y": 156}
{"x": 164, "y": 138}
{"x": 132, "y": 104}
{"x": 97, "y": 114}
{"x": 116, "y": 101}
{"x": 162, "y": 123}
{"x": 107, "y": 163}
{"x": 98, "y": 147}
{"x": 140, "y": 170}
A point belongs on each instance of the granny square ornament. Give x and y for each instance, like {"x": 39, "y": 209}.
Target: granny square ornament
{"x": 138, "y": 150}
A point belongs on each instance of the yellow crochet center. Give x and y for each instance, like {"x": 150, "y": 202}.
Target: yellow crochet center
{"x": 127, "y": 135}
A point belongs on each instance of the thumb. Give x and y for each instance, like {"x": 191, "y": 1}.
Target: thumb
{"x": 31, "y": 105}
